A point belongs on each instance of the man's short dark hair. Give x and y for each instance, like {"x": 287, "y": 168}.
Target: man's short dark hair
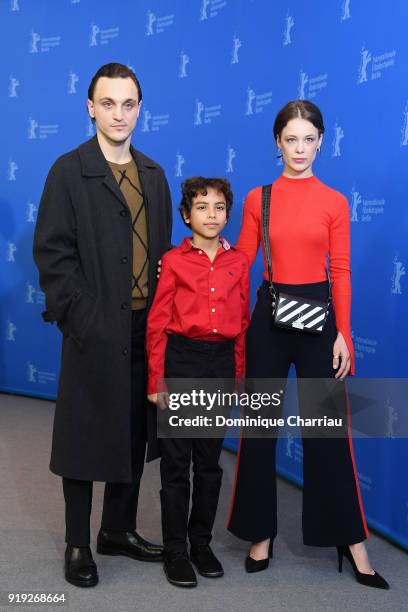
{"x": 114, "y": 71}
{"x": 195, "y": 185}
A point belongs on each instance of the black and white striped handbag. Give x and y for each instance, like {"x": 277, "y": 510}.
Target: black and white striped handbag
{"x": 290, "y": 311}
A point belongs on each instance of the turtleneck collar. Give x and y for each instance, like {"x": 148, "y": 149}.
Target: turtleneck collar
{"x": 297, "y": 181}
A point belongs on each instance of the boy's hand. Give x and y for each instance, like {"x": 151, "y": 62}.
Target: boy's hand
{"x": 160, "y": 399}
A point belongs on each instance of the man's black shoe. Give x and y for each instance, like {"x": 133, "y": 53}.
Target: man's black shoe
{"x": 206, "y": 562}
{"x": 80, "y": 568}
{"x": 128, "y": 544}
{"x": 179, "y": 570}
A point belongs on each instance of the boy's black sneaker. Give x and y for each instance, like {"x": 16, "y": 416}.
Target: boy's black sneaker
{"x": 179, "y": 570}
{"x": 206, "y": 562}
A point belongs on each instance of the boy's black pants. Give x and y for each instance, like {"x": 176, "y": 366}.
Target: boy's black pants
{"x": 186, "y": 358}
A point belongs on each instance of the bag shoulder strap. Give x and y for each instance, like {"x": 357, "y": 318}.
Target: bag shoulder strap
{"x": 266, "y": 204}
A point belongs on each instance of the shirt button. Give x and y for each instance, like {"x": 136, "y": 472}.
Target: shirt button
{"x": 211, "y": 268}
{"x": 124, "y": 260}
{"x": 215, "y": 330}
{"x": 124, "y": 306}
{"x": 200, "y": 252}
{"x": 212, "y": 309}
{"x": 125, "y": 351}
{"x": 212, "y": 289}
{"x": 123, "y": 213}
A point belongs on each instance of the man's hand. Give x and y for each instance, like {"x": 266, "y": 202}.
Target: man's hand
{"x": 341, "y": 357}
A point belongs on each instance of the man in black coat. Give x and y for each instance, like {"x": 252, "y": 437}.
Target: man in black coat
{"x": 104, "y": 221}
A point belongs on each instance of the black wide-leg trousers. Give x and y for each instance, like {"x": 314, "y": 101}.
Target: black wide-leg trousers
{"x": 186, "y": 358}
{"x": 332, "y": 508}
{"x": 120, "y": 499}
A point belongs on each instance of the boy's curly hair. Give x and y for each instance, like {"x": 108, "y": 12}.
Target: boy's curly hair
{"x": 191, "y": 187}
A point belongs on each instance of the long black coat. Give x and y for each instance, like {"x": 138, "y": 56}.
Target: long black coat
{"x": 83, "y": 250}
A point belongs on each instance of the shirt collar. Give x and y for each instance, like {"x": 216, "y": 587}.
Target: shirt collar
{"x": 93, "y": 162}
{"x": 186, "y": 244}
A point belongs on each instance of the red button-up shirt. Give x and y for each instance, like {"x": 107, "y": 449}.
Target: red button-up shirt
{"x": 199, "y": 299}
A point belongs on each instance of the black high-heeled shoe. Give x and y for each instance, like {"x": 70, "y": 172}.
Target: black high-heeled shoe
{"x": 252, "y": 565}
{"x": 372, "y": 580}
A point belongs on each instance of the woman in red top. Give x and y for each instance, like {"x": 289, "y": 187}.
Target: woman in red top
{"x": 308, "y": 222}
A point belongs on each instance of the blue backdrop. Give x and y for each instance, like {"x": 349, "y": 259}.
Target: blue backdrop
{"x": 214, "y": 73}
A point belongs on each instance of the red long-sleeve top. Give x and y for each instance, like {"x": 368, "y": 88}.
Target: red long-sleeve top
{"x": 200, "y": 299}
{"x": 309, "y": 222}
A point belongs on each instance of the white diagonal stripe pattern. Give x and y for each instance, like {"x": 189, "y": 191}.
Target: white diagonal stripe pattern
{"x": 286, "y": 306}
{"x": 315, "y": 321}
{"x": 310, "y": 313}
{"x": 293, "y": 313}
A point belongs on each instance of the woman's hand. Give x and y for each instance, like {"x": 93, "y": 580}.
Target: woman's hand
{"x": 160, "y": 399}
{"x": 341, "y": 357}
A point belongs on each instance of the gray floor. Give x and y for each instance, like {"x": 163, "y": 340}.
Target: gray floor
{"x": 32, "y": 543}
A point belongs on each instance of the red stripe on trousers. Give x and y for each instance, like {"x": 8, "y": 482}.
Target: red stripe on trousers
{"x": 360, "y": 501}
{"x": 235, "y": 480}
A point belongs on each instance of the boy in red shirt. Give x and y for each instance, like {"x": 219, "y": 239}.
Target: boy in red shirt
{"x": 196, "y": 329}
